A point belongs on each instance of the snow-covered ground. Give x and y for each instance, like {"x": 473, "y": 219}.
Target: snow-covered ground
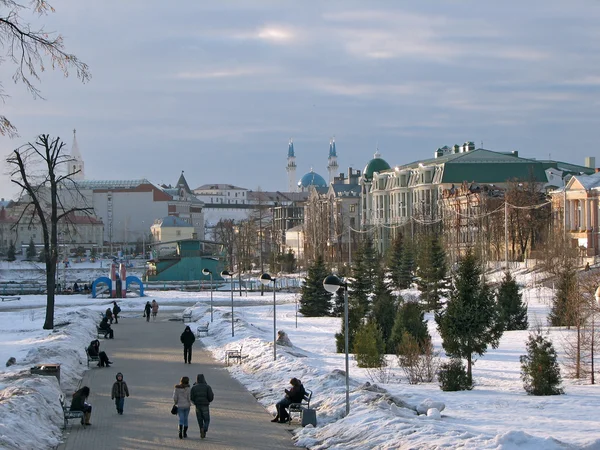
{"x": 496, "y": 414}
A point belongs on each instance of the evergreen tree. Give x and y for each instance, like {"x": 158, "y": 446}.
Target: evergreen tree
{"x": 406, "y": 273}
{"x": 364, "y": 272}
{"x": 315, "y": 300}
{"x": 368, "y": 346}
{"x": 31, "y": 252}
{"x": 512, "y": 310}
{"x": 356, "y": 317}
{"x": 394, "y": 261}
{"x": 338, "y": 303}
{"x": 11, "y": 253}
{"x": 539, "y": 368}
{"x": 42, "y": 255}
{"x": 410, "y": 319}
{"x": 563, "y": 312}
{"x": 470, "y": 321}
{"x": 431, "y": 270}
{"x": 384, "y": 309}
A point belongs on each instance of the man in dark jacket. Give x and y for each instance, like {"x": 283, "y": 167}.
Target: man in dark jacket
{"x": 294, "y": 395}
{"x": 104, "y": 325}
{"x": 187, "y": 339}
{"x": 201, "y": 395}
{"x": 116, "y": 310}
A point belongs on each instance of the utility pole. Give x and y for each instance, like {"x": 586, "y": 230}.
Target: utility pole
{"x": 505, "y": 232}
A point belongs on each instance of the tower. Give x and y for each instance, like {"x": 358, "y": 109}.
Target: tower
{"x": 332, "y": 165}
{"x": 76, "y": 165}
{"x": 291, "y": 167}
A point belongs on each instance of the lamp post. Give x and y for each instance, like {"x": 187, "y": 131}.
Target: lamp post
{"x": 265, "y": 279}
{"x": 593, "y": 330}
{"x": 208, "y": 272}
{"x": 332, "y": 284}
{"x": 226, "y": 273}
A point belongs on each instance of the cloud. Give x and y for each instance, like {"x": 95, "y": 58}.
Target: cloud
{"x": 234, "y": 72}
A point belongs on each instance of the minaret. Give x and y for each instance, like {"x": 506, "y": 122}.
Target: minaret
{"x": 332, "y": 165}
{"x": 291, "y": 167}
{"x": 76, "y": 161}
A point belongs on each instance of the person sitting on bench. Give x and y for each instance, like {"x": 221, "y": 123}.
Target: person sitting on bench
{"x": 79, "y": 403}
{"x": 104, "y": 325}
{"x": 294, "y": 395}
{"x": 94, "y": 350}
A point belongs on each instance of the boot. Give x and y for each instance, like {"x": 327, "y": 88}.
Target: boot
{"x": 87, "y": 417}
{"x": 180, "y": 431}
{"x": 202, "y": 433}
{"x": 185, "y": 432}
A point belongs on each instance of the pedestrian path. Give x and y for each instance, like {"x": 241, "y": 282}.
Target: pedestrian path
{"x": 150, "y": 356}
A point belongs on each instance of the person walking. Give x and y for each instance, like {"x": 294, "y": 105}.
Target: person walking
{"x": 154, "y": 309}
{"x": 79, "y": 403}
{"x": 119, "y": 392}
{"x": 116, "y": 310}
{"x": 147, "y": 310}
{"x": 201, "y": 396}
{"x": 187, "y": 339}
{"x": 181, "y": 397}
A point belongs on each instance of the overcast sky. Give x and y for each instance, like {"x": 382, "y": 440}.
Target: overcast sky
{"x": 217, "y": 88}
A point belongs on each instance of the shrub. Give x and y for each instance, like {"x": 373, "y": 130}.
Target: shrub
{"x": 368, "y": 346}
{"x": 418, "y": 361}
{"x": 453, "y": 376}
{"x": 539, "y": 367}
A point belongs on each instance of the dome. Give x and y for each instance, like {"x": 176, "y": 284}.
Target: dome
{"x": 375, "y": 165}
{"x": 312, "y": 179}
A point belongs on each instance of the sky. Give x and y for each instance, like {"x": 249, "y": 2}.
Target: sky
{"x": 218, "y": 88}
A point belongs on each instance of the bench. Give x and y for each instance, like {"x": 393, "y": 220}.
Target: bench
{"x": 67, "y": 413}
{"x": 202, "y": 330}
{"x": 187, "y": 316}
{"x": 232, "y": 355}
{"x": 101, "y": 332}
{"x": 91, "y": 358}
{"x": 10, "y": 298}
{"x": 298, "y": 408}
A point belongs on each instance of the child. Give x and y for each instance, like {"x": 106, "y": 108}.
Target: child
{"x": 119, "y": 392}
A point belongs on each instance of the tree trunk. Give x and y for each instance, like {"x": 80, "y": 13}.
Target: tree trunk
{"x": 469, "y": 373}
{"x": 578, "y": 354}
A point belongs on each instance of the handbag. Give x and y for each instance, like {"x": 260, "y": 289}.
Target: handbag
{"x": 174, "y": 410}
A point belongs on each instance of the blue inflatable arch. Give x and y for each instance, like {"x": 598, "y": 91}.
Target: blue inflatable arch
{"x": 132, "y": 279}
{"x": 101, "y": 280}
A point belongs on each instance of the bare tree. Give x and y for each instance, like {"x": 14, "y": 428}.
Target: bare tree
{"x": 29, "y": 49}
{"x": 38, "y": 170}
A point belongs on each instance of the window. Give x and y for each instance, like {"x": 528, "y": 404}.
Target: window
{"x": 352, "y": 208}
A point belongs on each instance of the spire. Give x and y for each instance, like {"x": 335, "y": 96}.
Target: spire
{"x": 183, "y": 184}
{"x": 76, "y": 165}
{"x": 332, "y": 165}
{"x": 332, "y": 151}
{"x": 75, "y": 154}
{"x": 291, "y": 149}
{"x": 291, "y": 167}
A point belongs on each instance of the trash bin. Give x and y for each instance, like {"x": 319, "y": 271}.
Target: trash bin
{"x": 52, "y": 370}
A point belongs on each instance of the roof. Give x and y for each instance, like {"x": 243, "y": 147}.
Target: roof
{"x": 219, "y": 187}
{"x": 312, "y": 179}
{"x": 172, "y": 221}
{"x": 587, "y": 181}
{"x": 277, "y": 196}
{"x": 567, "y": 167}
{"x": 346, "y": 190}
{"x": 291, "y": 149}
{"x": 110, "y": 184}
{"x": 332, "y": 151}
{"x": 182, "y": 183}
{"x": 82, "y": 220}
{"x": 375, "y": 165}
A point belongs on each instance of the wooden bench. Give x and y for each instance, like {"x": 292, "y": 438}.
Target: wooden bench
{"x": 233, "y": 355}
{"x": 298, "y": 408}
{"x": 202, "y": 330}
{"x": 67, "y": 413}
{"x": 91, "y": 358}
{"x": 187, "y": 316}
{"x": 10, "y": 298}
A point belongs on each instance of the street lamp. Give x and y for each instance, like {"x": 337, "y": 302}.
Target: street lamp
{"x": 593, "y": 331}
{"x": 332, "y": 284}
{"x": 265, "y": 279}
{"x": 226, "y": 273}
{"x": 208, "y": 272}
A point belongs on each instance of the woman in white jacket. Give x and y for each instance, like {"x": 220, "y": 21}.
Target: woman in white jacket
{"x": 181, "y": 397}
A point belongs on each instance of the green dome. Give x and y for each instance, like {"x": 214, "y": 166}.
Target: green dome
{"x": 375, "y": 165}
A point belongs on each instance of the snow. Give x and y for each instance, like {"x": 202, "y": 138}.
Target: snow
{"x": 496, "y": 414}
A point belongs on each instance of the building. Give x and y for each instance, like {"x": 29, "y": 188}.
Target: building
{"x": 166, "y": 232}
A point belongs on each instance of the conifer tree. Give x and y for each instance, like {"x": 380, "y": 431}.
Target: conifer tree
{"x": 356, "y": 317}
{"x": 394, "y": 261}
{"x": 368, "y": 346}
{"x": 512, "y": 310}
{"x": 364, "y": 272}
{"x": 406, "y": 273}
{"x": 384, "y": 309}
{"x": 42, "y": 255}
{"x": 315, "y": 301}
{"x": 31, "y": 252}
{"x": 11, "y": 252}
{"x": 470, "y": 321}
{"x": 431, "y": 271}
{"x": 563, "y": 312}
{"x": 410, "y": 319}
{"x": 539, "y": 368}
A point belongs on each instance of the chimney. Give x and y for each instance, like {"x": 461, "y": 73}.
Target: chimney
{"x": 456, "y": 148}
{"x": 515, "y": 153}
{"x": 438, "y": 153}
{"x": 590, "y": 162}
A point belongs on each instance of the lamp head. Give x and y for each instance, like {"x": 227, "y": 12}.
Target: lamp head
{"x": 206, "y": 271}
{"x": 265, "y": 278}
{"x": 597, "y": 295}
{"x": 332, "y": 283}
{"x": 226, "y": 273}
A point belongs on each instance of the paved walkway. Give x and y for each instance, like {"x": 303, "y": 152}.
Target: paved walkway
{"x": 150, "y": 357}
